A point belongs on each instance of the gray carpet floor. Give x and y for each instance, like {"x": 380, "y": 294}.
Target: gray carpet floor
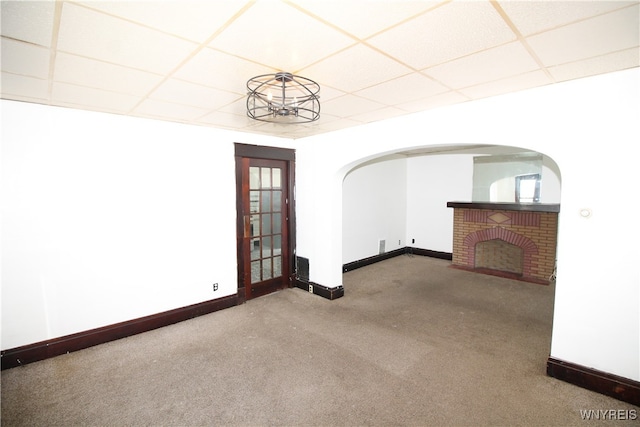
{"x": 412, "y": 342}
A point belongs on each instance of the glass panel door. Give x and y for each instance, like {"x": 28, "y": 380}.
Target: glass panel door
{"x": 265, "y": 237}
{"x": 266, "y": 218}
{"x": 265, "y": 195}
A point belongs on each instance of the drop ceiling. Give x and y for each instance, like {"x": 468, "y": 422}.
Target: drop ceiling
{"x": 188, "y": 61}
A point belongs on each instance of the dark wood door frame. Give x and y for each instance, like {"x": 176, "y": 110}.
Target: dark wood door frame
{"x": 243, "y": 151}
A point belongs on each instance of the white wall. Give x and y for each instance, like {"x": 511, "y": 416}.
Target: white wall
{"x": 589, "y": 127}
{"x": 107, "y": 218}
{"x": 550, "y": 184}
{"x": 432, "y": 182}
{"x": 374, "y": 208}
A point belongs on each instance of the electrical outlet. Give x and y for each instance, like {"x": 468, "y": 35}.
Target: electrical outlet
{"x": 310, "y": 288}
{"x": 413, "y": 240}
{"x": 399, "y": 242}
{"x": 215, "y": 287}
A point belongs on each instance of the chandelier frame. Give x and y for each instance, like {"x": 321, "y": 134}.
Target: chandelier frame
{"x": 283, "y": 98}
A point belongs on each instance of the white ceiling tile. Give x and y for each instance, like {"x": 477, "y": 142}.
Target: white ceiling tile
{"x": 180, "y": 92}
{"x": 281, "y": 133}
{"x": 96, "y": 35}
{"x": 92, "y": 98}
{"x": 31, "y": 21}
{"x": 239, "y": 107}
{"x": 403, "y": 89}
{"x": 102, "y": 75}
{"x": 111, "y": 55}
{"x": 441, "y": 100}
{"x": 272, "y": 128}
{"x": 24, "y": 98}
{"x": 535, "y": 16}
{"x": 355, "y": 68}
{"x": 293, "y": 132}
{"x": 602, "y": 64}
{"x": 13, "y": 84}
{"x": 226, "y": 120}
{"x": 378, "y": 16}
{"x": 301, "y": 130}
{"x": 511, "y": 84}
{"x": 493, "y": 64}
{"x": 349, "y": 105}
{"x": 451, "y": 31}
{"x": 220, "y": 70}
{"x": 334, "y": 125}
{"x": 381, "y": 114}
{"x": 614, "y": 31}
{"x": 325, "y": 118}
{"x": 155, "y": 108}
{"x": 195, "y": 20}
{"x": 287, "y": 40}
{"x": 24, "y": 58}
{"x": 327, "y": 93}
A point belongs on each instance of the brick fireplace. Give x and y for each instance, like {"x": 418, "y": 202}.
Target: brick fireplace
{"x": 509, "y": 239}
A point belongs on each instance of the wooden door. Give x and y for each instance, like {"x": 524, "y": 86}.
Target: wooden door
{"x": 264, "y": 234}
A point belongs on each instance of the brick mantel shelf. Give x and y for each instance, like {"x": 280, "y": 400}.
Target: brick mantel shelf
{"x": 507, "y": 206}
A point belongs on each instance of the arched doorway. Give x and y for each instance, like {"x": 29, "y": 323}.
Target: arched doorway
{"x": 399, "y": 199}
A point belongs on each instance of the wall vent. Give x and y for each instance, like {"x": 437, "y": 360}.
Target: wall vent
{"x": 302, "y": 268}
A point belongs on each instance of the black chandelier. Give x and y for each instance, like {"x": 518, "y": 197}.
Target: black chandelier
{"x": 283, "y": 98}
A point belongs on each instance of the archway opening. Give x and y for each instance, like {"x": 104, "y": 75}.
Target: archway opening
{"x": 398, "y": 242}
{"x": 399, "y": 200}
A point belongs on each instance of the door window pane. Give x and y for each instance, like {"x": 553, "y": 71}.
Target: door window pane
{"x": 255, "y": 225}
{"x": 266, "y": 177}
{"x": 277, "y": 266}
{"x": 277, "y": 223}
{"x": 255, "y": 271}
{"x": 277, "y": 201}
{"x": 254, "y": 177}
{"x": 254, "y": 201}
{"x": 255, "y": 248}
{"x": 266, "y": 201}
{"x": 266, "y": 269}
{"x": 266, "y": 247}
{"x": 277, "y": 180}
{"x": 266, "y": 224}
{"x": 277, "y": 244}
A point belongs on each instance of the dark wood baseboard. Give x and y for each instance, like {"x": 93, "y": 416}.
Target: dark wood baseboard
{"x": 372, "y": 259}
{"x": 620, "y": 388}
{"x": 429, "y": 253}
{"x": 397, "y": 252}
{"x": 69, "y": 343}
{"x": 323, "y": 291}
{"x": 333, "y": 293}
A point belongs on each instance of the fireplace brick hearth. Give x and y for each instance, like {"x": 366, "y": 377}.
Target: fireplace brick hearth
{"x": 514, "y": 240}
